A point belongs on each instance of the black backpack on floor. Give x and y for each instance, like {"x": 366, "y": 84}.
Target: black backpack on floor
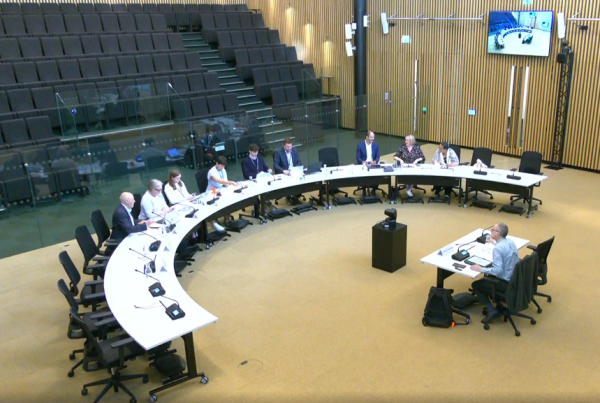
{"x": 440, "y": 309}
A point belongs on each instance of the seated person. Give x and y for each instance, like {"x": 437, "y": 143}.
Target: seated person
{"x": 175, "y": 189}
{"x": 210, "y": 140}
{"x": 150, "y": 151}
{"x": 446, "y": 157}
{"x": 254, "y": 164}
{"x": 505, "y": 258}
{"x": 409, "y": 153}
{"x": 153, "y": 203}
{"x": 217, "y": 178}
{"x": 123, "y": 223}
{"x": 367, "y": 153}
{"x": 286, "y": 157}
{"x": 62, "y": 160}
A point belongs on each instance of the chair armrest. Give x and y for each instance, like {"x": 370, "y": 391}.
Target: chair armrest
{"x": 532, "y": 247}
{"x": 105, "y": 322}
{"x": 96, "y": 295}
{"x": 492, "y": 279}
{"x": 100, "y": 315}
{"x": 122, "y": 343}
{"x": 94, "y": 282}
{"x": 101, "y": 258}
{"x": 111, "y": 242}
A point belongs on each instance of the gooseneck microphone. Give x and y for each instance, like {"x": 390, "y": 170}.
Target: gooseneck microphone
{"x": 512, "y": 175}
{"x": 154, "y": 245}
{"x": 483, "y": 238}
{"x": 156, "y": 289}
{"x": 171, "y": 225}
{"x": 151, "y": 264}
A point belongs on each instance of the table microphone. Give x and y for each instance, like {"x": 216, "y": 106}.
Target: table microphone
{"x": 483, "y": 238}
{"x": 154, "y": 245}
{"x": 156, "y": 289}
{"x": 480, "y": 172}
{"x": 152, "y": 263}
{"x": 173, "y": 311}
{"x": 171, "y": 225}
{"x": 512, "y": 175}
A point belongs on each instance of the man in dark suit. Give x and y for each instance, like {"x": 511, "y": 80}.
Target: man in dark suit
{"x": 367, "y": 152}
{"x": 286, "y": 158}
{"x": 253, "y": 164}
{"x": 210, "y": 140}
{"x": 122, "y": 220}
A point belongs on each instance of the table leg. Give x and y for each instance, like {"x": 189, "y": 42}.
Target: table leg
{"x": 441, "y": 276}
{"x": 530, "y": 201}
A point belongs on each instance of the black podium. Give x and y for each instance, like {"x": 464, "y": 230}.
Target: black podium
{"x": 389, "y": 247}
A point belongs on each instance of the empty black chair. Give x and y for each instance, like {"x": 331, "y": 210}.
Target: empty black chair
{"x": 278, "y": 97}
{"x": 195, "y": 15}
{"x": 45, "y": 102}
{"x": 121, "y": 8}
{"x": 181, "y": 109}
{"x": 127, "y": 43}
{"x": 26, "y": 74}
{"x": 72, "y": 46}
{"x": 91, "y": 292}
{"x": 211, "y": 82}
{"x": 48, "y": 72}
{"x": 69, "y": 71}
{"x": 110, "y": 44}
{"x": 215, "y": 105}
{"x": 196, "y": 84}
{"x": 14, "y": 184}
{"x": 290, "y": 53}
{"x": 180, "y": 84}
{"x": 68, "y": 8}
{"x": 181, "y": 16}
{"x": 144, "y": 43}
{"x": 52, "y": 47}
{"x": 127, "y": 23}
{"x": 250, "y": 38}
{"x": 167, "y": 12}
{"x": 241, "y": 7}
{"x": 262, "y": 37}
{"x": 74, "y": 23}
{"x": 541, "y": 277}
{"x": 218, "y": 8}
{"x": 233, "y": 21}
{"x": 91, "y": 45}
{"x": 257, "y": 21}
{"x": 48, "y": 8}
{"x": 160, "y": 41}
{"x": 103, "y": 8}
{"x": 193, "y": 61}
{"x": 92, "y": 23}
{"x": 144, "y": 65}
{"x": 21, "y": 103}
{"x": 35, "y": 24}
{"x": 7, "y": 77}
{"x": 229, "y": 7}
{"x": 110, "y": 23}
{"x": 267, "y": 55}
{"x": 134, "y": 8}
{"x": 5, "y": 112}
{"x": 175, "y": 41}
{"x": 150, "y": 8}
{"x": 31, "y": 48}
{"x": 291, "y": 94}
{"x": 531, "y": 163}
{"x": 13, "y": 25}
{"x": 199, "y": 107}
{"x": 273, "y": 36}
{"x": 30, "y": 8}
{"x": 143, "y": 22}
{"x": 90, "y": 69}
{"x": 245, "y": 21}
{"x": 127, "y": 66}
{"x": 232, "y": 106}
{"x": 40, "y": 130}
{"x": 10, "y": 50}
{"x": 15, "y": 133}
{"x": 204, "y": 8}
{"x": 177, "y": 62}
{"x": 108, "y": 92}
{"x": 159, "y": 22}
{"x": 161, "y": 63}
{"x": 86, "y": 8}
{"x": 11, "y": 8}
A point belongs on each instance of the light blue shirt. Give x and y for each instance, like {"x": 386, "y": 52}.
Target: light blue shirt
{"x": 505, "y": 259}
{"x": 219, "y": 174}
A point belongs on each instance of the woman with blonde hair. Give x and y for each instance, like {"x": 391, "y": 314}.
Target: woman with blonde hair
{"x": 175, "y": 189}
{"x": 409, "y": 153}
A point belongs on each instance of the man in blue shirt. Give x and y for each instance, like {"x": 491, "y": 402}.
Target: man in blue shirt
{"x": 505, "y": 259}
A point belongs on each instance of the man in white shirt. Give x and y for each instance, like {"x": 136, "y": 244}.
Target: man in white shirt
{"x": 153, "y": 203}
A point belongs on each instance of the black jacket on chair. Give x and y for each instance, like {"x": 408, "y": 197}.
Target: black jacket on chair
{"x": 280, "y": 162}
{"x": 520, "y": 292}
{"x": 122, "y": 225}
{"x": 251, "y": 168}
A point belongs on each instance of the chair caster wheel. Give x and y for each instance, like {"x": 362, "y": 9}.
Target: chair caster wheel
{"x": 539, "y": 310}
{"x": 72, "y": 356}
{"x": 153, "y": 398}
{"x": 424, "y": 323}
{"x": 204, "y": 380}
{"x": 132, "y": 400}
{"x": 484, "y": 311}
{"x": 517, "y": 333}
{"x": 549, "y": 299}
{"x": 71, "y": 374}
{"x": 533, "y": 322}
{"x": 486, "y": 326}
{"x": 145, "y": 379}
{"x": 84, "y": 391}
{"x": 468, "y": 320}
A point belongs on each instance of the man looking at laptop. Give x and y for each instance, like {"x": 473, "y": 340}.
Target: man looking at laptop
{"x": 286, "y": 157}
{"x": 504, "y": 261}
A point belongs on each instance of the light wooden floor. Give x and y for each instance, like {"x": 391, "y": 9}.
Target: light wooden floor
{"x": 298, "y": 300}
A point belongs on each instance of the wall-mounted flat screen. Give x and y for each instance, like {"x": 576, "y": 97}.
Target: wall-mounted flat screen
{"x": 524, "y": 33}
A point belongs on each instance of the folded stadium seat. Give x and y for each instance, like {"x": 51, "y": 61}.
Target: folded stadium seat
{"x": 31, "y": 47}
{"x": 7, "y": 77}
{"x": 40, "y": 130}
{"x": 11, "y": 8}
{"x": 161, "y": 84}
{"x": 109, "y": 68}
{"x": 48, "y": 8}
{"x": 215, "y": 105}
{"x": 178, "y": 63}
{"x": 30, "y": 8}
{"x": 115, "y": 109}
{"x": 267, "y": 55}
{"x": 229, "y": 8}
{"x": 10, "y": 50}
{"x": 159, "y": 23}
{"x": 285, "y": 74}
{"x": 69, "y": 71}
{"x": 193, "y": 62}
{"x": 182, "y": 109}
{"x": 224, "y": 44}
{"x": 233, "y": 21}
{"x": 74, "y": 23}
{"x": 180, "y": 85}
{"x": 237, "y": 39}
{"x": 72, "y": 46}
{"x": 160, "y": 41}
{"x": 259, "y": 76}
{"x": 257, "y": 21}
{"x": 217, "y": 8}
{"x": 92, "y": 23}
{"x": 290, "y": 54}
{"x": 262, "y": 37}
{"x": 52, "y": 47}
{"x": 245, "y": 20}
{"x": 127, "y": 44}
{"x": 15, "y": 133}
{"x": 13, "y": 25}
{"x": 274, "y": 37}
{"x": 120, "y": 8}
{"x": 208, "y": 23}
{"x": 68, "y": 8}
{"x": 182, "y": 17}
{"x": 150, "y": 8}
{"x": 205, "y": 8}
{"x": 127, "y": 67}
{"x": 250, "y": 38}
{"x": 144, "y": 43}
{"x": 278, "y": 54}
{"x": 143, "y": 22}
{"x": 34, "y": 24}
{"x": 211, "y": 82}
{"x": 196, "y": 85}
{"x": 126, "y": 22}
{"x": 44, "y": 100}
{"x": 26, "y": 74}
{"x": 134, "y": 8}
{"x": 241, "y": 7}
{"x": 48, "y": 72}
{"x": 5, "y": 112}
{"x": 278, "y": 97}
{"x": 194, "y": 13}
{"x": 110, "y": 44}
{"x": 110, "y": 22}
{"x": 175, "y": 41}
{"x": 232, "y": 105}
{"x": 291, "y": 94}
{"x": 13, "y": 179}
{"x": 145, "y": 65}
{"x": 91, "y": 105}
{"x": 245, "y": 65}
{"x": 90, "y": 69}
{"x": 87, "y": 8}
{"x": 102, "y": 8}
{"x": 129, "y": 94}
{"x": 91, "y": 45}
{"x": 199, "y": 107}
{"x": 170, "y": 17}
{"x": 220, "y": 24}
{"x": 161, "y": 63}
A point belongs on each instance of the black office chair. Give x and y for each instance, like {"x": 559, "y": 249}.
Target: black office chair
{"x": 74, "y": 331}
{"x": 541, "y": 278}
{"x": 531, "y": 163}
{"x": 485, "y": 156}
{"x": 102, "y": 231}
{"x": 509, "y": 303}
{"x": 291, "y": 200}
{"x": 137, "y": 207}
{"x": 91, "y": 253}
{"x": 92, "y": 292}
{"x": 110, "y": 354}
{"x": 329, "y": 157}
